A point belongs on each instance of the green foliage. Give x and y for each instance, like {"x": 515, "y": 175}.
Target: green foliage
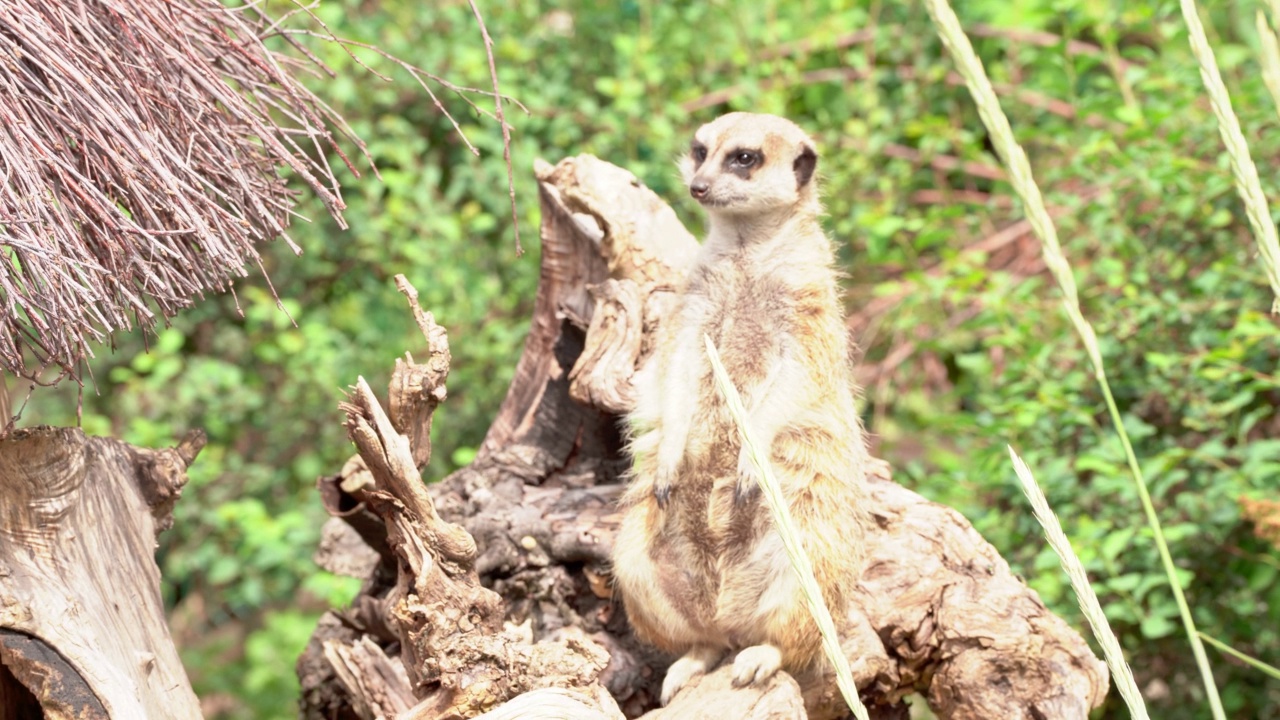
{"x": 974, "y": 348}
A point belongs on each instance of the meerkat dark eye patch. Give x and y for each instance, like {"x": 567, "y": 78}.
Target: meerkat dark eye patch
{"x": 742, "y": 162}
{"x": 804, "y": 165}
{"x": 698, "y": 152}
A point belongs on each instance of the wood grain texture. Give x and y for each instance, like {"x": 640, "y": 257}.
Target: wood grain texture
{"x": 82, "y": 625}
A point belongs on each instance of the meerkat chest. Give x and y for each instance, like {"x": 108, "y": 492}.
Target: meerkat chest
{"x": 748, "y": 315}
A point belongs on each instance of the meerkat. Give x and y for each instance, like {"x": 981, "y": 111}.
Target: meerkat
{"x": 698, "y": 563}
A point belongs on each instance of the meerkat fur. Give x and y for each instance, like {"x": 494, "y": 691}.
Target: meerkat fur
{"x": 698, "y": 564}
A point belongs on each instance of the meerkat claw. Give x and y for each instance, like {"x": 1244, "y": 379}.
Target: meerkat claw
{"x": 748, "y": 486}
{"x": 662, "y": 493}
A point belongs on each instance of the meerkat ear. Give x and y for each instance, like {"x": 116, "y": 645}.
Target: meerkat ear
{"x": 804, "y": 165}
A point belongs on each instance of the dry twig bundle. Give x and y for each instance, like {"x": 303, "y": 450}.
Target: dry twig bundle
{"x": 141, "y": 143}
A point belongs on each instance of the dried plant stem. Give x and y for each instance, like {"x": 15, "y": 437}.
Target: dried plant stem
{"x": 772, "y": 493}
{"x": 506, "y": 129}
{"x": 970, "y": 67}
{"x": 1085, "y": 595}
{"x": 1242, "y": 167}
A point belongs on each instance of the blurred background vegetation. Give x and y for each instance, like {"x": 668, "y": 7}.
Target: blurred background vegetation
{"x": 966, "y": 345}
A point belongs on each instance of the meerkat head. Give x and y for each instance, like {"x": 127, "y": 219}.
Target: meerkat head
{"x": 745, "y": 164}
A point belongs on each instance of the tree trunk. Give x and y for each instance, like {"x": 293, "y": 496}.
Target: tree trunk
{"x": 82, "y": 625}
{"x": 937, "y": 609}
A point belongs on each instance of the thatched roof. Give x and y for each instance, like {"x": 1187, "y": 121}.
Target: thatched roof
{"x": 141, "y": 150}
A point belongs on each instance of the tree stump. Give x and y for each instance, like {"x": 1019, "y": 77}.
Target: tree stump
{"x": 937, "y": 610}
{"x": 82, "y": 625}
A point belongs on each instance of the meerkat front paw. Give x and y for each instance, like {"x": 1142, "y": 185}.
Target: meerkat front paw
{"x": 748, "y": 485}
{"x": 694, "y": 663}
{"x": 756, "y": 664}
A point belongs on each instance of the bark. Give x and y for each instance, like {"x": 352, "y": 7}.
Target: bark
{"x": 937, "y": 610}
{"x": 82, "y": 625}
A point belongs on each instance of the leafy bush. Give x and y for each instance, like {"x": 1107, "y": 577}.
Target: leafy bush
{"x": 966, "y": 346}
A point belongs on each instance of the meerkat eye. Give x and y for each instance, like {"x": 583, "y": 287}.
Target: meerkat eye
{"x": 744, "y": 159}
{"x": 699, "y": 152}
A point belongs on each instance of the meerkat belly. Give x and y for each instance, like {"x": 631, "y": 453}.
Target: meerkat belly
{"x": 746, "y": 322}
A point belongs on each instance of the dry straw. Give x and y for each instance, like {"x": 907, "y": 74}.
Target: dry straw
{"x": 970, "y": 67}
{"x": 145, "y": 149}
{"x": 1085, "y": 595}
{"x": 139, "y": 158}
{"x": 772, "y": 494}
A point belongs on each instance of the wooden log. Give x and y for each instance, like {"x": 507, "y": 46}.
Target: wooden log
{"x": 937, "y": 610}
{"x": 82, "y": 625}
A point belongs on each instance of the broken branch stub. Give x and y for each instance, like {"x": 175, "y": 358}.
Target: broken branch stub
{"x": 416, "y": 389}
{"x": 457, "y": 655}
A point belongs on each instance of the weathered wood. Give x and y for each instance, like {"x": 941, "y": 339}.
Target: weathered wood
{"x": 416, "y": 389}
{"x": 598, "y": 222}
{"x": 602, "y": 375}
{"x": 378, "y": 685}
{"x": 456, "y": 658}
{"x": 633, "y": 230}
{"x": 549, "y": 704}
{"x": 82, "y": 625}
{"x": 713, "y": 695}
{"x": 937, "y": 610}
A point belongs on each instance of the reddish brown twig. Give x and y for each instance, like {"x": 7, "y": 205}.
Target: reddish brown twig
{"x": 140, "y": 145}
{"x": 1032, "y": 98}
{"x": 945, "y": 163}
{"x": 1015, "y": 35}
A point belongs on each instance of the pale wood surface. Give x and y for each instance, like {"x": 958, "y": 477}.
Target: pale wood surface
{"x": 82, "y": 625}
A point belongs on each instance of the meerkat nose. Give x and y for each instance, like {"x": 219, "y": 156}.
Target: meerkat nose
{"x": 698, "y": 189}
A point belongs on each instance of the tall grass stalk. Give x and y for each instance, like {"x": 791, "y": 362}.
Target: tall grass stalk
{"x": 975, "y": 77}
{"x": 1085, "y": 595}
{"x": 1270, "y": 57}
{"x": 786, "y": 530}
{"x": 1242, "y": 167}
